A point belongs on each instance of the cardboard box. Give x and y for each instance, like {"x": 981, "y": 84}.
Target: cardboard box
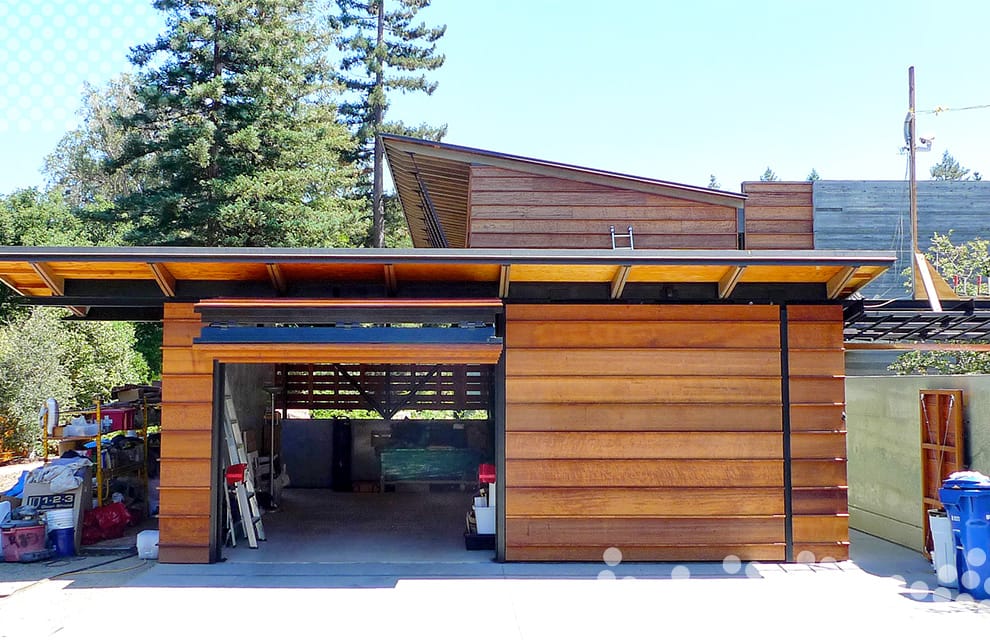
{"x": 40, "y": 494}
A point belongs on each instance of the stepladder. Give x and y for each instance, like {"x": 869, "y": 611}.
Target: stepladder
{"x": 239, "y": 481}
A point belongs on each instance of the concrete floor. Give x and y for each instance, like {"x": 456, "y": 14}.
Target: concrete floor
{"x": 323, "y": 526}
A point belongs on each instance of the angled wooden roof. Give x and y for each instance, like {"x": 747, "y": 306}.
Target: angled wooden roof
{"x": 134, "y": 282}
{"x": 432, "y": 180}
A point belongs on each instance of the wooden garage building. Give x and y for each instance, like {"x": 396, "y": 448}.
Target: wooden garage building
{"x": 679, "y": 399}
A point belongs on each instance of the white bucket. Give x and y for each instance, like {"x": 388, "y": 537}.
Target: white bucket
{"x": 147, "y": 544}
{"x": 485, "y": 518}
{"x": 60, "y": 519}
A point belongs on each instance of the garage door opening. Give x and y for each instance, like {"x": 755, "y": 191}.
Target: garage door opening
{"x": 372, "y": 462}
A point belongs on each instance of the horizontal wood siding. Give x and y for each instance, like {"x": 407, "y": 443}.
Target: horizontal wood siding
{"x": 187, "y": 427}
{"x": 818, "y": 435}
{"x": 514, "y": 209}
{"x": 652, "y": 429}
{"x": 779, "y": 215}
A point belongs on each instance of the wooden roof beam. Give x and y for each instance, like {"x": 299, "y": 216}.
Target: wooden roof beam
{"x": 728, "y": 282}
{"x": 838, "y": 282}
{"x": 619, "y": 281}
{"x": 391, "y": 280}
{"x": 54, "y": 282}
{"x": 504, "y": 279}
{"x": 164, "y": 278}
{"x": 277, "y": 276}
{"x": 10, "y": 285}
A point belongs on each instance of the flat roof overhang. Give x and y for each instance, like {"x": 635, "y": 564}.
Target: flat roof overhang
{"x": 133, "y": 283}
{"x": 911, "y": 324}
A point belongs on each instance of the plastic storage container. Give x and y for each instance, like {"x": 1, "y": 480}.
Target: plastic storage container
{"x": 968, "y": 504}
{"x": 147, "y": 544}
{"x": 944, "y": 556}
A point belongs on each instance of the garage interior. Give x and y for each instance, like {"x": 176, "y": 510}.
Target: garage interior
{"x": 373, "y": 462}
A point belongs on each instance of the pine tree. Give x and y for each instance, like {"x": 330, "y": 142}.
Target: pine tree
{"x": 384, "y": 51}
{"x": 769, "y": 176}
{"x": 236, "y": 128}
{"x": 713, "y": 182}
{"x": 813, "y": 176}
{"x": 948, "y": 169}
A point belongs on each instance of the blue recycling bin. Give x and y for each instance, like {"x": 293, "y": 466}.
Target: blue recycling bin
{"x": 968, "y": 504}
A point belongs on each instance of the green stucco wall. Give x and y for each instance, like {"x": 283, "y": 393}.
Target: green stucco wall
{"x": 883, "y": 443}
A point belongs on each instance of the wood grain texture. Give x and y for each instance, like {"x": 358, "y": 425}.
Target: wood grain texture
{"x": 183, "y": 554}
{"x": 185, "y": 501}
{"x": 653, "y": 313}
{"x": 648, "y": 553}
{"x": 819, "y": 473}
{"x": 820, "y": 500}
{"x": 184, "y": 529}
{"x": 818, "y": 362}
{"x": 645, "y": 473}
{"x": 821, "y": 417}
{"x": 643, "y": 389}
{"x": 810, "y": 552}
{"x": 640, "y": 362}
{"x": 182, "y": 416}
{"x": 680, "y": 501}
{"x": 642, "y": 445}
{"x": 826, "y": 445}
{"x": 644, "y": 335}
{"x": 810, "y": 390}
{"x": 187, "y": 387}
{"x": 178, "y": 444}
{"x": 822, "y": 528}
{"x": 194, "y": 473}
{"x": 779, "y": 215}
{"x": 674, "y": 416}
{"x": 622, "y": 532}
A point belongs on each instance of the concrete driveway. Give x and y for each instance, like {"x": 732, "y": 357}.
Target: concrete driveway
{"x": 884, "y": 589}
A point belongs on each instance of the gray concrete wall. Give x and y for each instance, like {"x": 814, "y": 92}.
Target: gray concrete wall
{"x": 884, "y": 436}
{"x": 250, "y": 399}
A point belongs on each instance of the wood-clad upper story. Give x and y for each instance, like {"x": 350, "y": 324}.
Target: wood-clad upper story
{"x": 779, "y": 215}
{"x": 460, "y": 197}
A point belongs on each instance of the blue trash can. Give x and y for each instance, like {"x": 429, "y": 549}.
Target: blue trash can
{"x": 968, "y": 504}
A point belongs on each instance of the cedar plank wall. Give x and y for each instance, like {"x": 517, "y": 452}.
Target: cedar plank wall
{"x": 187, "y": 426}
{"x": 653, "y": 429}
{"x": 521, "y": 210}
{"x": 779, "y": 215}
{"x": 818, "y": 436}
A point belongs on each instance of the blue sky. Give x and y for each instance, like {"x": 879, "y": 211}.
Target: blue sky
{"x": 669, "y": 90}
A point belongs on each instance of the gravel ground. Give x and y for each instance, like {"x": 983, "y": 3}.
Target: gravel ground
{"x": 9, "y": 473}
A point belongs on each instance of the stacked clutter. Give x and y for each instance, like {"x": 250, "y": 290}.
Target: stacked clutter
{"x": 480, "y": 534}
{"x": 24, "y": 536}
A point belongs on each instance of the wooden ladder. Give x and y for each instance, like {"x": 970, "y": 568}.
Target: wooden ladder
{"x": 247, "y": 502}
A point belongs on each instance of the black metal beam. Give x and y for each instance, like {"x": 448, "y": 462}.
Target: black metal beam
{"x": 324, "y": 315}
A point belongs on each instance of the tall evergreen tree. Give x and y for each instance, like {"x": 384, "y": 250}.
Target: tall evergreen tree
{"x": 769, "y": 176}
{"x": 384, "y": 51}
{"x": 236, "y": 125}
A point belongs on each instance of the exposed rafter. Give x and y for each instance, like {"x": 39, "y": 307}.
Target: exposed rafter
{"x": 838, "y": 282}
{"x": 728, "y": 282}
{"x": 619, "y": 282}
{"x": 52, "y": 281}
{"x": 277, "y": 276}
{"x": 391, "y": 280}
{"x": 57, "y": 284}
{"x": 164, "y": 278}
{"x": 12, "y": 286}
{"x": 504, "y": 280}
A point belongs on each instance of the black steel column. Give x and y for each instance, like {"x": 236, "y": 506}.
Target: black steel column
{"x": 497, "y": 415}
{"x": 218, "y": 483}
{"x": 785, "y": 401}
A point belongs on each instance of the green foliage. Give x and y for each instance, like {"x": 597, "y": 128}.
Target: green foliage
{"x": 941, "y": 362}
{"x": 42, "y": 356}
{"x": 813, "y": 176}
{"x": 769, "y": 176}
{"x": 948, "y": 168}
{"x": 80, "y": 166}
{"x": 965, "y": 262}
{"x": 384, "y": 51}
{"x": 29, "y": 217}
{"x": 235, "y": 132}
{"x": 148, "y": 343}
{"x": 713, "y": 182}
